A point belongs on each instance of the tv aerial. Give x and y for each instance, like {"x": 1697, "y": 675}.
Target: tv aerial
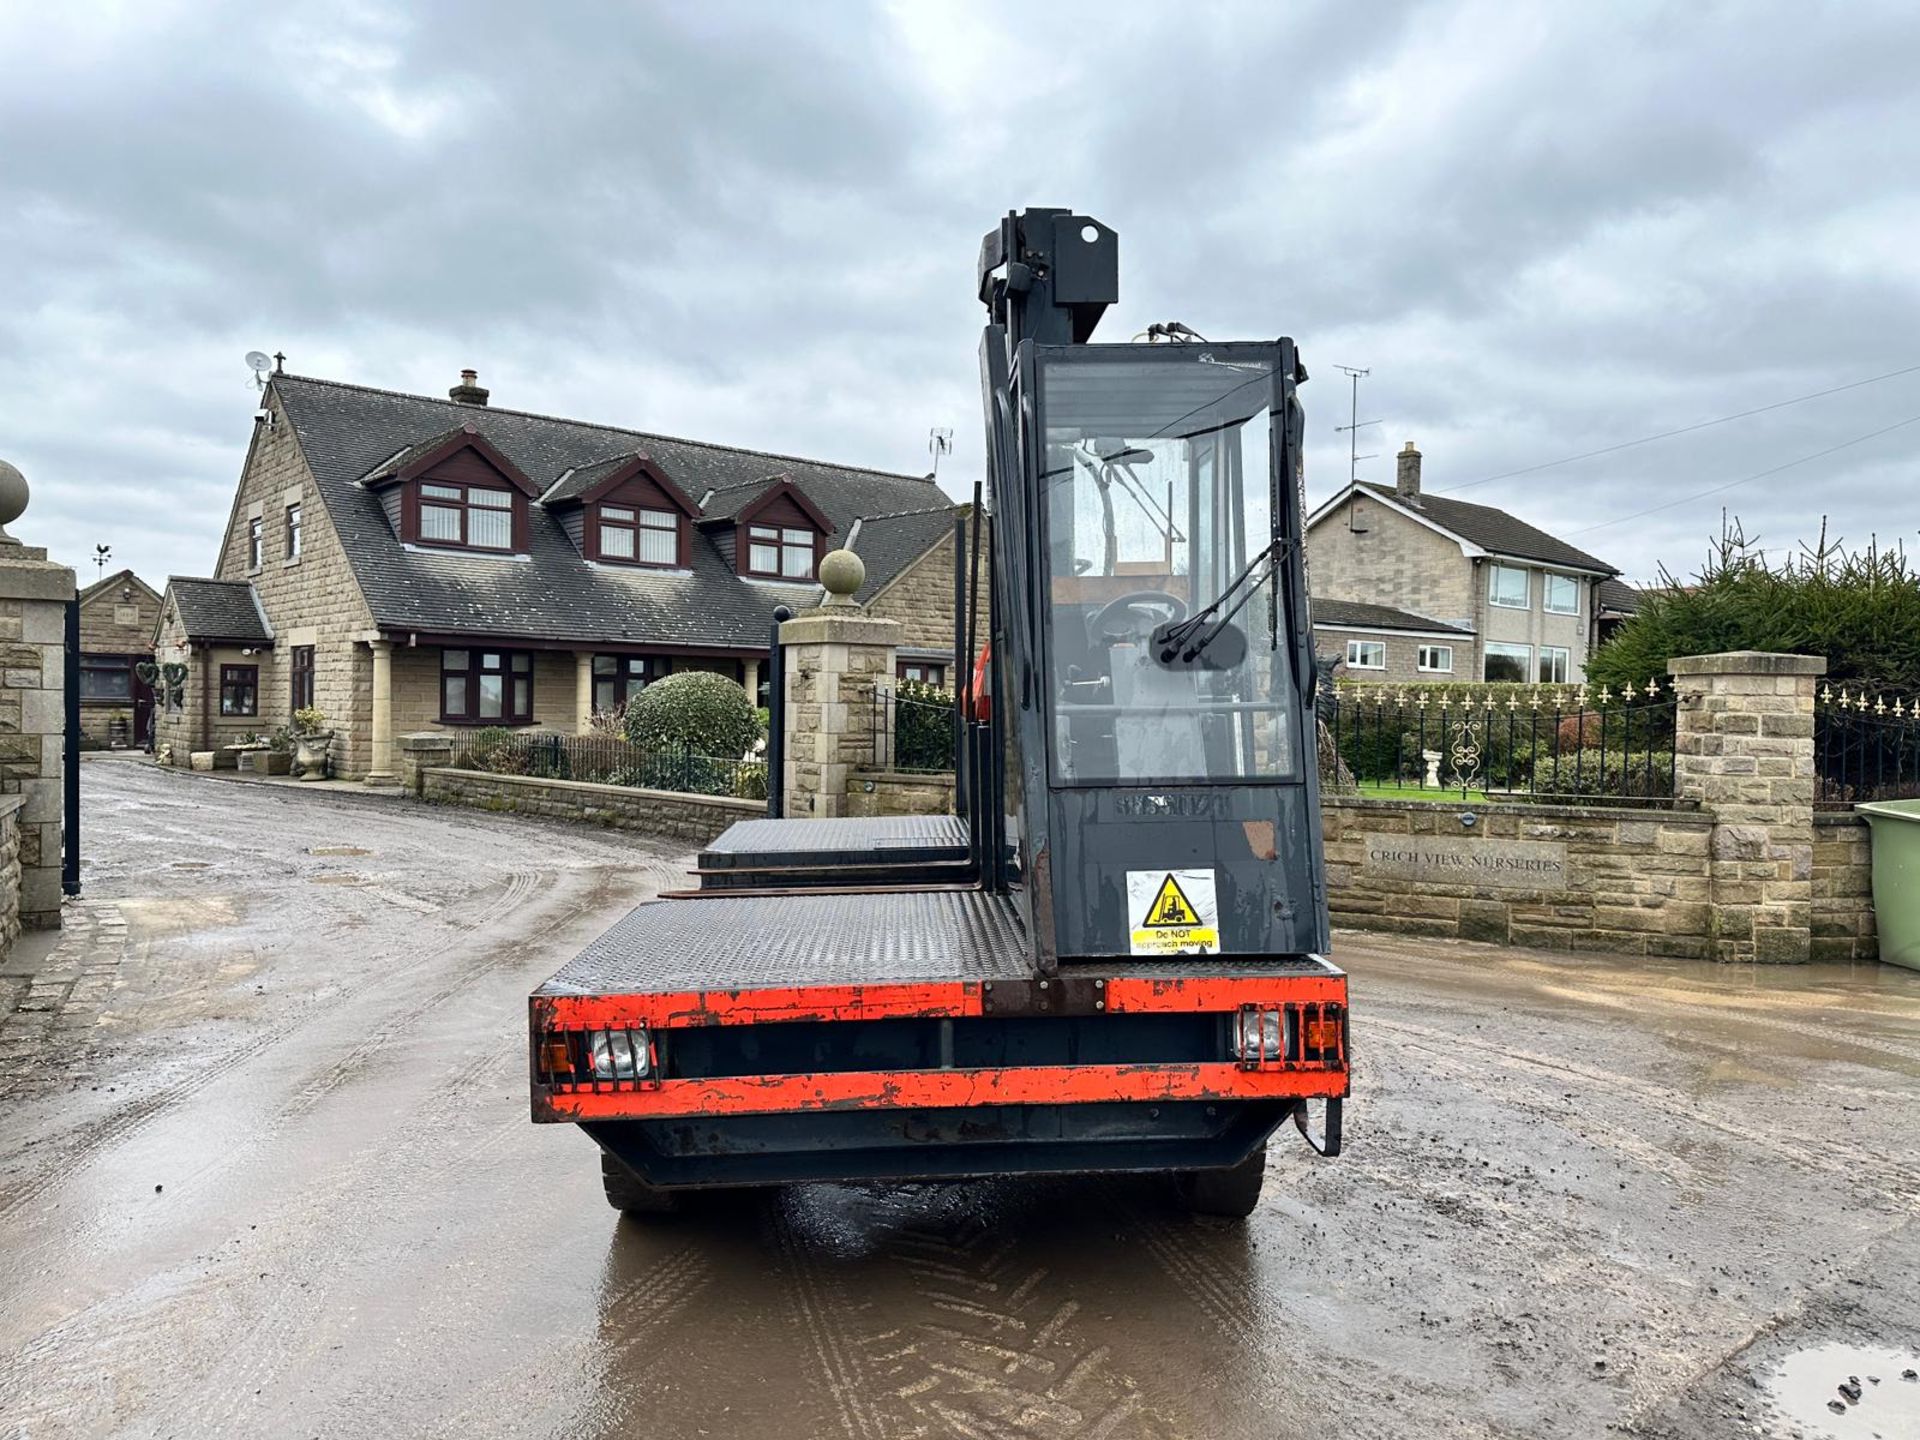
{"x": 939, "y": 442}
{"x": 260, "y": 363}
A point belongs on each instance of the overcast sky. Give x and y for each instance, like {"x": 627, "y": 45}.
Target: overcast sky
{"x": 1544, "y": 229}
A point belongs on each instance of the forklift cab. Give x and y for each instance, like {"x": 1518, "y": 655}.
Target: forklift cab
{"x": 1152, "y": 647}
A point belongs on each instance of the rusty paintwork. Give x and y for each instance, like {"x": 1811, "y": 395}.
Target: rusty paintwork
{"x": 945, "y": 999}
{"x": 933, "y": 1089}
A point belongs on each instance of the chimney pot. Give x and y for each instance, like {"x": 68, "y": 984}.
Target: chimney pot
{"x": 468, "y": 391}
{"x": 1406, "y": 482}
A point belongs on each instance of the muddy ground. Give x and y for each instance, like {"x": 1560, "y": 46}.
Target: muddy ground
{"x": 266, "y": 1170}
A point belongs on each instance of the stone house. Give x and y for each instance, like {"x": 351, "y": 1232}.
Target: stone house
{"x": 117, "y": 615}
{"x": 1527, "y": 604}
{"x": 405, "y": 563}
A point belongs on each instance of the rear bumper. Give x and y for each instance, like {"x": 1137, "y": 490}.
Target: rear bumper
{"x": 948, "y": 1046}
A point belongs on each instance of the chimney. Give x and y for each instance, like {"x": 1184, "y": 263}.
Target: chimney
{"x": 468, "y": 391}
{"x": 1406, "y": 482}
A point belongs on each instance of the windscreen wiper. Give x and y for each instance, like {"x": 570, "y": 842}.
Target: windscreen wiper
{"x": 1182, "y": 640}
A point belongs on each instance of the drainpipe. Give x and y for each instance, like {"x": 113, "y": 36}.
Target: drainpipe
{"x": 206, "y": 704}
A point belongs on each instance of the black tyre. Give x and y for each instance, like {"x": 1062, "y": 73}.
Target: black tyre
{"x": 1232, "y": 1192}
{"x": 627, "y": 1192}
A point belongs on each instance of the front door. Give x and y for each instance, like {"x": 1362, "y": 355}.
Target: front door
{"x": 142, "y": 706}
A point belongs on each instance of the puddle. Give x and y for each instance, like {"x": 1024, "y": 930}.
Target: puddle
{"x": 336, "y": 880}
{"x": 337, "y": 850}
{"x": 1804, "y": 1387}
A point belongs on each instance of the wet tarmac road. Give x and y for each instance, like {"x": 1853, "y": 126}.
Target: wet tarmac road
{"x": 280, "y": 1181}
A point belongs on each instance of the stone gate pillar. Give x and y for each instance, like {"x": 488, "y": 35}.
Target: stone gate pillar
{"x": 836, "y": 657}
{"x": 34, "y": 595}
{"x": 1743, "y": 749}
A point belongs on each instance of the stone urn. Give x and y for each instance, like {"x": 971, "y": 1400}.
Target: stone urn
{"x": 1433, "y": 759}
{"x": 310, "y": 754}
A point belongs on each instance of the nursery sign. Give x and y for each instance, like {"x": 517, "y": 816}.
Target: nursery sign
{"x": 1463, "y": 860}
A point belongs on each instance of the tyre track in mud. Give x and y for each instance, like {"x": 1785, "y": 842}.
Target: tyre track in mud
{"x": 1440, "y": 1048}
{"x": 138, "y": 1112}
{"x": 962, "y": 1333}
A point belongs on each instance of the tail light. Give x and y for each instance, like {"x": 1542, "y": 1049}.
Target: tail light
{"x": 1294, "y": 1036}
{"x": 593, "y": 1059}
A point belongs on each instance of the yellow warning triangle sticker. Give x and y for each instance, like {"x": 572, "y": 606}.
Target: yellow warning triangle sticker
{"x": 1170, "y": 909}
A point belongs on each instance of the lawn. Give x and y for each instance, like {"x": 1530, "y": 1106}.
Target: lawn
{"x": 1380, "y": 791}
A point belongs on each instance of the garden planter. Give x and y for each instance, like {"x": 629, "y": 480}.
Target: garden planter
{"x": 274, "y": 762}
{"x": 310, "y": 754}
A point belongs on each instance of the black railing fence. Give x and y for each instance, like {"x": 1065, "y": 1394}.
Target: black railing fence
{"x": 912, "y": 727}
{"x": 610, "y": 760}
{"x": 1525, "y": 742}
{"x": 1866, "y": 746}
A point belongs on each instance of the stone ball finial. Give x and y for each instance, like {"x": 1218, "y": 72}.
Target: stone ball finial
{"x": 13, "y": 494}
{"x": 842, "y": 572}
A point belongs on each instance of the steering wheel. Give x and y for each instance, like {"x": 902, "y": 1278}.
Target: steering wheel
{"x": 1142, "y": 603}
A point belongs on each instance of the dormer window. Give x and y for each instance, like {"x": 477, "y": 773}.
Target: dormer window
{"x": 472, "y": 516}
{"x": 638, "y": 536}
{"x": 780, "y": 551}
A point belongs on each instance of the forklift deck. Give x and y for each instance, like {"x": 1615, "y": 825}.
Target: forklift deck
{"x": 809, "y": 854}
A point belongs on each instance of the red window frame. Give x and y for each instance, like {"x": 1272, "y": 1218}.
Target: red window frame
{"x": 463, "y": 506}
{"x": 931, "y": 672}
{"x": 782, "y": 538}
{"x": 477, "y": 664}
{"x": 636, "y": 521}
{"x": 239, "y": 690}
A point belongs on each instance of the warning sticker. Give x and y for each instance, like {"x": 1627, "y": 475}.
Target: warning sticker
{"x": 1172, "y": 912}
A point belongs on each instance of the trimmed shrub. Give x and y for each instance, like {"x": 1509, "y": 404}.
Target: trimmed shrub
{"x": 710, "y": 713}
{"x": 922, "y": 727}
{"x": 492, "y": 748}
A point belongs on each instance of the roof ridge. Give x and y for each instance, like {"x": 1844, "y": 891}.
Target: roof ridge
{"x": 597, "y": 425}
{"x": 901, "y": 514}
{"x": 207, "y": 580}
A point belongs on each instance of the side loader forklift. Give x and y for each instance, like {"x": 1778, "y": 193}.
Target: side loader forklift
{"x": 1115, "y": 960}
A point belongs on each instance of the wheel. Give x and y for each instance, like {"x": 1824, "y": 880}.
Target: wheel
{"x": 1232, "y": 1192}
{"x": 627, "y": 1192}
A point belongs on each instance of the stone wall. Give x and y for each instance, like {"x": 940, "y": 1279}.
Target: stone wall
{"x": 34, "y": 595}
{"x": 1559, "y": 877}
{"x": 1843, "y": 925}
{"x": 920, "y": 597}
{"x": 310, "y": 600}
{"x": 895, "y": 792}
{"x": 695, "y": 819}
{"x": 10, "y": 807}
{"x": 834, "y": 659}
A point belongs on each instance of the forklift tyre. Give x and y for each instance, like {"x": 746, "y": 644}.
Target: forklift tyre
{"x": 1232, "y": 1192}
{"x": 628, "y": 1193}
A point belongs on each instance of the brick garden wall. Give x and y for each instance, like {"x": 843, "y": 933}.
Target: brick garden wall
{"x": 695, "y": 819}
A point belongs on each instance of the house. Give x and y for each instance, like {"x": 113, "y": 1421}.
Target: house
{"x": 1619, "y": 602}
{"x": 1482, "y": 590}
{"x": 404, "y": 563}
{"x": 117, "y": 614}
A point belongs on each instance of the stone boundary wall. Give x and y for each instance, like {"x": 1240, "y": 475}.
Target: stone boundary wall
{"x": 900, "y": 792}
{"x": 1843, "y": 927}
{"x": 693, "y": 818}
{"x": 1557, "y": 877}
{"x": 10, "y": 807}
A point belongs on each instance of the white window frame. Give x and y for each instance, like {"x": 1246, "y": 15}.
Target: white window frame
{"x": 1548, "y": 580}
{"x": 1523, "y": 652}
{"x": 1432, "y": 649}
{"x": 1361, "y": 647}
{"x": 1565, "y": 653}
{"x": 1495, "y": 571}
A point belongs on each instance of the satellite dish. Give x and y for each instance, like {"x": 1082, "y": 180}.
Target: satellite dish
{"x": 260, "y": 363}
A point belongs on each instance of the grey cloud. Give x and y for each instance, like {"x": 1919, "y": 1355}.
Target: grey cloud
{"x": 1545, "y": 231}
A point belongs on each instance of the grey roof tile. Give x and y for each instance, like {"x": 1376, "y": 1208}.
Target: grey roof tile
{"x": 1496, "y": 531}
{"x": 348, "y": 431}
{"x": 219, "y": 610}
{"x": 1379, "y": 617}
